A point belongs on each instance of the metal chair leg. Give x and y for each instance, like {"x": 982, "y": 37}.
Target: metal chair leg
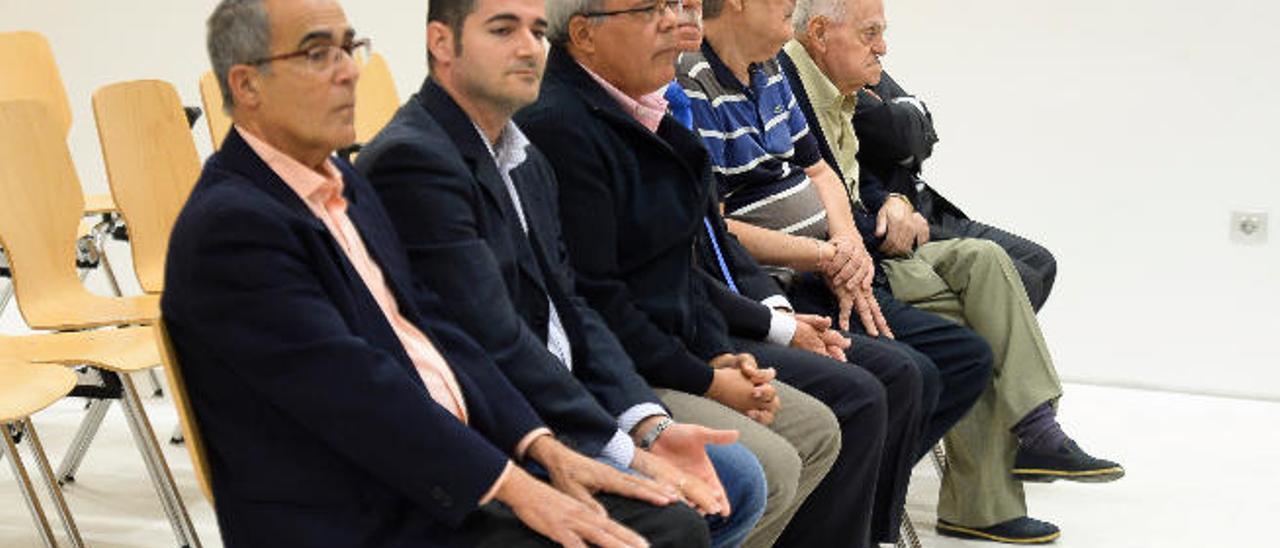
{"x": 28, "y": 489}
{"x": 907, "y": 537}
{"x": 157, "y": 390}
{"x": 51, "y": 484}
{"x": 6, "y": 295}
{"x": 156, "y": 465}
{"x": 80, "y": 443}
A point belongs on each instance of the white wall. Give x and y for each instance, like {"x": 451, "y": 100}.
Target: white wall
{"x": 1119, "y": 134}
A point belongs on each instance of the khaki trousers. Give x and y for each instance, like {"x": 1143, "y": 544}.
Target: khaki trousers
{"x": 796, "y": 451}
{"x": 974, "y": 283}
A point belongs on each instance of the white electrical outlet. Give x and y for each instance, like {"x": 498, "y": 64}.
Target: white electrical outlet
{"x": 1248, "y": 227}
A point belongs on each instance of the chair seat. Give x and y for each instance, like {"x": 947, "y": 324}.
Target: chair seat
{"x": 85, "y": 310}
{"x": 95, "y": 204}
{"x": 122, "y": 350}
{"x": 26, "y": 388}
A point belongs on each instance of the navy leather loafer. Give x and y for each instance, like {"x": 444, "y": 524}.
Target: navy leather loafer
{"x": 1023, "y": 530}
{"x": 1068, "y": 462}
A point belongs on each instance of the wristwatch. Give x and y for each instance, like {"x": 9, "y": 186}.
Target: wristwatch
{"x": 652, "y": 436}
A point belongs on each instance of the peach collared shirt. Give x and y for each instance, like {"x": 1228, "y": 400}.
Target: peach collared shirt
{"x": 322, "y": 192}
{"x": 649, "y": 110}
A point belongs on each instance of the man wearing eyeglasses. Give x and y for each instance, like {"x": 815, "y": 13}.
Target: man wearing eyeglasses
{"x": 464, "y": 188}
{"x": 337, "y": 406}
{"x": 635, "y": 194}
{"x": 790, "y": 182}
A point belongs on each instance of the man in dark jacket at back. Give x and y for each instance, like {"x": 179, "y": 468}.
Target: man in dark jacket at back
{"x": 896, "y": 135}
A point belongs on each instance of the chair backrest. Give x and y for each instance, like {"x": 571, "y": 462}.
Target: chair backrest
{"x": 376, "y": 98}
{"x": 186, "y": 413}
{"x": 30, "y": 72}
{"x": 40, "y": 212}
{"x": 211, "y": 96}
{"x": 151, "y": 163}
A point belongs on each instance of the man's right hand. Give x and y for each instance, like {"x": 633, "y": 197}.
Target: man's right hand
{"x": 747, "y": 390}
{"x": 814, "y": 333}
{"x": 561, "y": 518}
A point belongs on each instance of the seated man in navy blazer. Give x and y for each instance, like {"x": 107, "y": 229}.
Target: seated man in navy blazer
{"x": 463, "y": 187}
{"x": 337, "y": 408}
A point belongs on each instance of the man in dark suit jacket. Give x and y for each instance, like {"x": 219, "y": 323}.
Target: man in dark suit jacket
{"x": 635, "y": 194}
{"x": 463, "y": 188}
{"x": 338, "y": 409}
{"x": 895, "y": 136}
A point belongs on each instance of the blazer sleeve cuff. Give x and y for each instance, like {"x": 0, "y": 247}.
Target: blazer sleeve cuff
{"x": 778, "y": 301}
{"x": 527, "y": 440}
{"x": 502, "y": 478}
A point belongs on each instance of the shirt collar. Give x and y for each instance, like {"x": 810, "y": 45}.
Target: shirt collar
{"x": 649, "y": 110}
{"x": 509, "y": 151}
{"x": 721, "y": 70}
{"x": 823, "y": 94}
{"x": 314, "y": 188}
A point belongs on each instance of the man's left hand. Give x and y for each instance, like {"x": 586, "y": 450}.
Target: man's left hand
{"x": 581, "y": 477}
{"x": 901, "y": 228}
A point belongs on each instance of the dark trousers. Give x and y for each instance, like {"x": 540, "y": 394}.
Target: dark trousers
{"x": 494, "y": 525}
{"x": 1036, "y": 265}
{"x": 845, "y": 509}
{"x": 954, "y": 362}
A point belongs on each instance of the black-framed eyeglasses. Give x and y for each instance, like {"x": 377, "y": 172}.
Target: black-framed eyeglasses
{"x": 323, "y": 57}
{"x": 648, "y": 12}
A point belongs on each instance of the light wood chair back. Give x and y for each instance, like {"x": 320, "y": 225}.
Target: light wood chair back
{"x": 152, "y": 164}
{"x": 186, "y": 413}
{"x": 30, "y": 72}
{"x": 376, "y": 98}
{"x": 211, "y": 97}
{"x": 39, "y": 222}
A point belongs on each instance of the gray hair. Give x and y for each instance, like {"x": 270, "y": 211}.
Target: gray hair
{"x": 560, "y": 12}
{"x": 239, "y": 32}
{"x": 807, "y": 10}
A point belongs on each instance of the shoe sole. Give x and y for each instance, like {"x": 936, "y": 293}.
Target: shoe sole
{"x": 948, "y": 530}
{"x": 1040, "y": 475}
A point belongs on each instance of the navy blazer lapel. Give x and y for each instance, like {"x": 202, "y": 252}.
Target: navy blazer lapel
{"x": 237, "y": 156}
{"x": 466, "y": 138}
{"x": 608, "y": 109}
{"x": 463, "y": 133}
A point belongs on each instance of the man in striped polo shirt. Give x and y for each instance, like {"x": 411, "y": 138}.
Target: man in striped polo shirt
{"x": 742, "y": 106}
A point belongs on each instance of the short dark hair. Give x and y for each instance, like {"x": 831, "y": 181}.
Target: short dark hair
{"x": 711, "y": 8}
{"x": 452, "y": 13}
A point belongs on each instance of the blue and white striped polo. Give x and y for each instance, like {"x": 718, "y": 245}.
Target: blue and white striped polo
{"x": 759, "y": 142}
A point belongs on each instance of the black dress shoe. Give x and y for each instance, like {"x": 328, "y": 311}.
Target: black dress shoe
{"x": 1069, "y": 462}
{"x": 1023, "y": 530}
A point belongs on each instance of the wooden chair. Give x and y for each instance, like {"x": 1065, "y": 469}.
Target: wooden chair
{"x": 37, "y": 227}
{"x": 186, "y": 413}
{"x": 211, "y": 97}
{"x": 31, "y": 72}
{"x": 38, "y": 224}
{"x": 152, "y": 164}
{"x": 25, "y": 389}
{"x": 376, "y": 98}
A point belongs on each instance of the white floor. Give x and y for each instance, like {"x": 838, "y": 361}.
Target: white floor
{"x": 1201, "y": 472}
